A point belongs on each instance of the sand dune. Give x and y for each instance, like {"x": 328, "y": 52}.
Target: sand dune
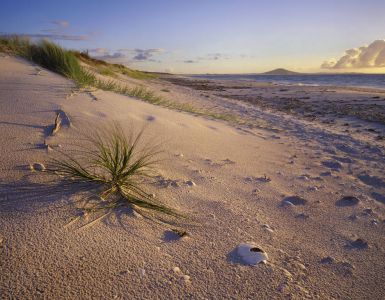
{"x": 278, "y": 181}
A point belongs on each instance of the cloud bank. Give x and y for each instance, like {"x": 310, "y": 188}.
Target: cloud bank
{"x": 127, "y": 55}
{"x": 372, "y": 56}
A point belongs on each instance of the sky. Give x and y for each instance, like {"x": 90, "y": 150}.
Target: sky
{"x": 211, "y": 36}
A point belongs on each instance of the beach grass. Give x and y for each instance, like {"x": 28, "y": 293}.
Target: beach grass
{"x": 118, "y": 165}
{"x": 66, "y": 63}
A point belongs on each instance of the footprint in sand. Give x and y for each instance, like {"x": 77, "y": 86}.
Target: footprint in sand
{"x": 293, "y": 201}
{"x": 347, "y": 201}
{"x": 358, "y": 244}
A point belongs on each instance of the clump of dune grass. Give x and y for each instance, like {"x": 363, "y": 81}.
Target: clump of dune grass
{"x": 65, "y": 62}
{"x": 50, "y": 56}
{"x": 118, "y": 166}
{"x": 109, "y": 69}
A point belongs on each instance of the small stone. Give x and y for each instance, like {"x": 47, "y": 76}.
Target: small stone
{"x": 142, "y": 272}
{"x": 312, "y": 188}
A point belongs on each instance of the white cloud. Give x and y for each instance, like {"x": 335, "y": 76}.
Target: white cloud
{"x": 372, "y": 56}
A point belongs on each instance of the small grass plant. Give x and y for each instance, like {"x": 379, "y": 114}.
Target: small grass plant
{"x": 118, "y": 166}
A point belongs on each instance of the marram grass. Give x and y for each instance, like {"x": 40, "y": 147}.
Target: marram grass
{"x": 65, "y": 62}
{"x": 118, "y": 166}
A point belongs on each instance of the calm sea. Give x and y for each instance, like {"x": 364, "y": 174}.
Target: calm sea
{"x": 354, "y": 80}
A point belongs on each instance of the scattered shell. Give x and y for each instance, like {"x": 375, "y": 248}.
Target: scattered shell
{"x": 37, "y": 167}
{"x": 347, "y": 201}
{"x": 186, "y": 278}
{"x": 177, "y": 270}
{"x": 251, "y": 254}
{"x": 179, "y": 154}
{"x": 267, "y": 227}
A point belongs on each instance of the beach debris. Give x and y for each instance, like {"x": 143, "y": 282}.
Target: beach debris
{"x": 347, "y": 201}
{"x": 37, "y": 167}
{"x": 251, "y": 254}
{"x": 293, "y": 200}
{"x": 57, "y": 125}
{"x": 179, "y": 155}
{"x": 267, "y": 228}
{"x": 190, "y": 183}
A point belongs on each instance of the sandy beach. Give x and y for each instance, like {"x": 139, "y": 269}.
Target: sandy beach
{"x": 296, "y": 170}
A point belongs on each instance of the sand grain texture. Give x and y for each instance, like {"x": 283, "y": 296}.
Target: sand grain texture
{"x": 45, "y": 253}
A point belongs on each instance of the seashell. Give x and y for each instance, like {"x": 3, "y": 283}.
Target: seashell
{"x": 251, "y": 254}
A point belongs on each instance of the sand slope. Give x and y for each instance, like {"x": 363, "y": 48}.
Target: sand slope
{"x": 45, "y": 253}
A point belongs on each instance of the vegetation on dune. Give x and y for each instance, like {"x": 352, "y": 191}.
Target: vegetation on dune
{"x": 117, "y": 165}
{"x": 108, "y": 69}
{"x": 66, "y": 63}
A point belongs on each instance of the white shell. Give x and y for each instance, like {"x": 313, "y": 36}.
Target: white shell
{"x": 251, "y": 253}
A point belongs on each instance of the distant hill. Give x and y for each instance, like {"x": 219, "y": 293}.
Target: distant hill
{"x": 280, "y": 72}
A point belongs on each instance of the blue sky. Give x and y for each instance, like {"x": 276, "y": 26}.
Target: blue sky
{"x": 217, "y": 36}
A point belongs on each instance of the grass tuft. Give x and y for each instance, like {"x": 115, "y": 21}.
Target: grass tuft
{"x": 118, "y": 165}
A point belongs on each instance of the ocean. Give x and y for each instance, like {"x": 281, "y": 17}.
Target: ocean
{"x": 351, "y": 80}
